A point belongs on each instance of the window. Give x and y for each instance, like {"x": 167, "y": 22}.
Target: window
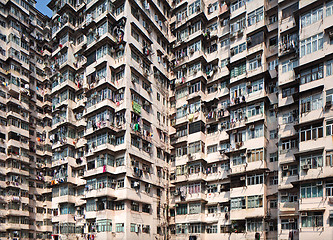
{"x": 311, "y": 103}
{"x": 272, "y": 65}
{"x": 238, "y": 160}
{"x": 238, "y": 203}
{"x": 255, "y": 110}
{"x": 134, "y": 227}
{"x": 329, "y": 8}
{"x": 255, "y": 16}
{"x": 212, "y": 209}
{"x": 135, "y": 35}
{"x": 194, "y": 208}
{"x": 212, "y": 149}
{"x": 194, "y": 87}
{"x": 289, "y": 197}
{"x": 256, "y": 155}
{"x": 289, "y": 65}
{"x": 289, "y": 117}
{"x": 194, "y": 7}
{"x": 212, "y": 168}
{"x": 329, "y": 96}
{"x": 224, "y": 63}
{"x": 256, "y": 132}
{"x": 312, "y": 161}
{"x": 273, "y": 203}
{"x": 289, "y": 224}
{"x": 236, "y": 5}
{"x": 312, "y": 74}
{"x": 274, "y": 180}
{"x": 120, "y": 227}
{"x": 104, "y": 225}
{"x": 238, "y": 70}
{"x": 273, "y": 134}
{"x": 329, "y": 189}
{"x": 238, "y": 49}
{"x": 211, "y": 229}
{"x": 288, "y": 11}
{"x": 181, "y": 209}
{"x": 329, "y": 158}
{"x": 255, "y": 179}
{"x": 312, "y": 44}
{"x": 289, "y": 144}
{"x": 196, "y": 147}
{"x": 255, "y": 225}
{"x": 181, "y": 151}
{"x": 311, "y": 132}
{"x": 135, "y": 206}
{"x": 254, "y": 63}
{"x": 119, "y": 206}
{"x": 225, "y": 42}
{"x": 146, "y": 208}
{"x": 194, "y": 188}
{"x": 254, "y": 201}
{"x": 286, "y": 92}
{"x": 273, "y": 157}
{"x": 312, "y": 219}
{"x": 238, "y": 25}
{"x": 212, "y": 188}
{"x": 311, "y": 190}
{"x": 312, "y": 17}
{"x": 272, "y": 19}
{"x": 291, "y": 170}
{"x": 181, "y": 229}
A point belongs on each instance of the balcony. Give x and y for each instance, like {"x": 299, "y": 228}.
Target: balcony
{"x": 101, "y": 192}
{"x": 240, "y": 214}
{"x": 287, "y": 24}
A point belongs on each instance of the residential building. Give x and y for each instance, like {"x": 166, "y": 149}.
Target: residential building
{"x": 196, "y": 119}
{"x": 110, "y": 119}
{"x": 25, "y": 120}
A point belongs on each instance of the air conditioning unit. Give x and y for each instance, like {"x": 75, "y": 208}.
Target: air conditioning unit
{"x": 319, "y": 183}
{"x": 222, "y": 151}
{"x": 304, "y": 214}
{"x": 285, "y": 194}
{"x": 242, "y": 178}
{"x": 306, "y": 167}
{"x": 146, "y": 72}
{"x": 291, "y": 220}
{"x": 328, "y": 105}
{"x": 249, "y": 40}
{"x": 286, "y": 167}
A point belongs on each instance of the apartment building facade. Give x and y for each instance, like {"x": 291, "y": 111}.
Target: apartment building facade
{"x": 251, "y": 113}
{"x": 225, "y": 139}
{"x": 167, "y": 120}
{"x": 25, "y": 158}
{"x": 109, "y": 132}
